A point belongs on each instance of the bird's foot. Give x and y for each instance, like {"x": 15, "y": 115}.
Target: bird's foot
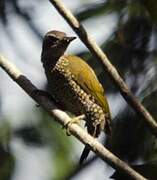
{"x": 75, "y": 120}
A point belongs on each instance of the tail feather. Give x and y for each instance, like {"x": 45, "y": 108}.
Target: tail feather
{"x": 84, "y": 154}
{"x": 94, "y": 131}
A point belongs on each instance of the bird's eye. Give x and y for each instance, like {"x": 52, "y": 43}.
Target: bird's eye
{"x": 52, "y": 40}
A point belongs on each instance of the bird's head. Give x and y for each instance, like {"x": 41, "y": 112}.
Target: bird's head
{"x": 55, "y": 43}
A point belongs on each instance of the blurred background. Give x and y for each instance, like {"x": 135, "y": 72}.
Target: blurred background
{"x": 32, "y": 145}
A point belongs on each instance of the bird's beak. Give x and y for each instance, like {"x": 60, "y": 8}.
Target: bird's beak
{"x": 69, "y": 39}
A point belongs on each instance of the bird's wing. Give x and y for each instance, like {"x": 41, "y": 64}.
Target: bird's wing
{"x": 86, "y": 78}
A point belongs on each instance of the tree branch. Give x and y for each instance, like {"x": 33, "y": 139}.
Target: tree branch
{"x": 113, "y": 73}
{"x": 63, "y": 119}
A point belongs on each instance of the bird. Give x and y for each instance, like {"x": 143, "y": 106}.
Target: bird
{"x": 74, "y": 85}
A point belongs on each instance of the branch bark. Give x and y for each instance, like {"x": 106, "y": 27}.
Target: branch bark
{"x": 111, "y": 70}
{"x": 63, "y": 119}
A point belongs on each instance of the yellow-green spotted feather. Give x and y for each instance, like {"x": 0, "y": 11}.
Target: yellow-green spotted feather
{"x": 86, "y": 78}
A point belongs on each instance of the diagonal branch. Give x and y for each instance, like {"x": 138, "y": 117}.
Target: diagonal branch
{"x": 113, "y": 73}
{"x": 63, "y": 119}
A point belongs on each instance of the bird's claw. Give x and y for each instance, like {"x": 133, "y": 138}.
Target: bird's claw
{"x": 75, "y": 120}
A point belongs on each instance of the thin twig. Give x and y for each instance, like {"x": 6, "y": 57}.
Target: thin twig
{"x": 63, "y": 119}
{"x": 113, "y": 73}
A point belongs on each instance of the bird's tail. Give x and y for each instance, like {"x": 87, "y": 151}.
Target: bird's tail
{"x": 84, "y": 154}
{"x": 94, "y": 132}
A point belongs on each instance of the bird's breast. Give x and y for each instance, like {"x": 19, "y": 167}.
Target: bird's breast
{"x": 65, "y": 90}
